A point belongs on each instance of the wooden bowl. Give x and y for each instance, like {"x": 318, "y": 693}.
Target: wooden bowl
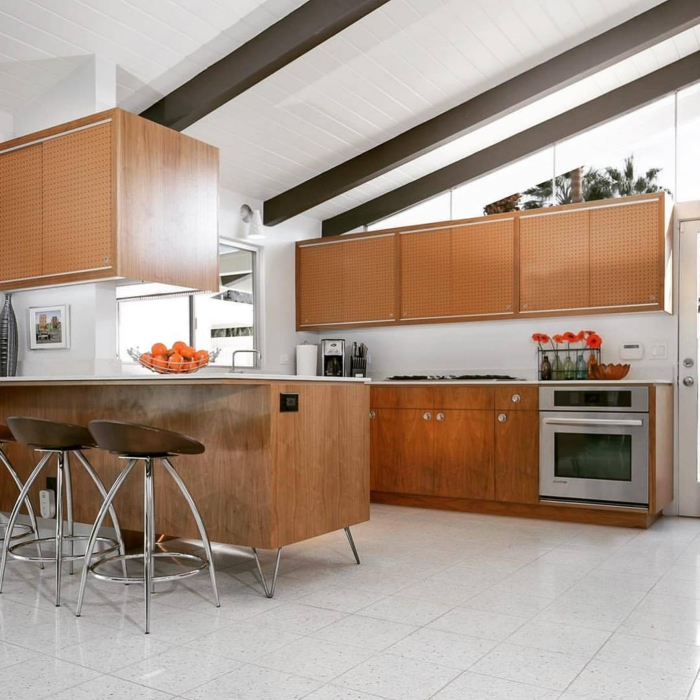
{"x": 610, "y": 372}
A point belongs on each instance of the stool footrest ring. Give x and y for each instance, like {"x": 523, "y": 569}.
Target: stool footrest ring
{"x": 20, "y": 530}
{"x": 113, "y": 546}
{"x": 93, "y": 569}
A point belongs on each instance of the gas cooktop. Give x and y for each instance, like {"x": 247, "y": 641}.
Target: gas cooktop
{"x": 453, "y": 378}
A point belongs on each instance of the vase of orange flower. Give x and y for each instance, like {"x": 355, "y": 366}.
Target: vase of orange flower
{"x": 563, "y": 349}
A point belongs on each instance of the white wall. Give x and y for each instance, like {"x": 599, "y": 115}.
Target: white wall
{"x": 6, "y": 126}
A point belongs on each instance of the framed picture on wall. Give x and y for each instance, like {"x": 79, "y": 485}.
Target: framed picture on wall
{"x": 49, "y": 327}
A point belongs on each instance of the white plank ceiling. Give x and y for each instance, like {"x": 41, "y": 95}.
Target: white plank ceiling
{"x": 397, "y": 67}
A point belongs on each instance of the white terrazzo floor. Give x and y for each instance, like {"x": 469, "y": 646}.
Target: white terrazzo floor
{"x": 448, "y": 606}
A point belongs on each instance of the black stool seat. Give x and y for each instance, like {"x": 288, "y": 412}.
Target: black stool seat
{"x": 50, "y": 435}
{"x": 6, "y": 434}
{"x": 134, "y": 440}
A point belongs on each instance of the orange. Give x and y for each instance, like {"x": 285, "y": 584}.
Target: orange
{"x": 159, "y": 349}
{"x": 188, "y": 366}
{"x": 160, "y": 363}
{"x": 146, "y": 359}
{"x": 175, "y": 362}
{"x": 201, "y": 357}
{"x": 179, "y": 345}
{"x": 187, "y": 352}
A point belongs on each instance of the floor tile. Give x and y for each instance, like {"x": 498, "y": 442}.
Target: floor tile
{"x": 13, "y": 654}
{"x": 333, "y": 692}
{"x": 605, "y": 681}
{"x": 110, "y": 688}
{"x": 346, "y": 600}
{"x": 254, "y": 683}
{"x": 565, "y": 639}
{"x": 651, "y": 654}
{"x": 411, "y": 611}
{"x": 314, "y": 658}
{"x": 298, "y": 619}
{"x": 478, "y": 623}
{"x": 472, "y": 686}
{"x": 439, "y": 592}
{"x": 365, "y": 632}
{"x": 244, "y": 641}
{"x": 670, "y": 606}
{"x": 671, "y": 629}
{"x": 538, "y": 667}
{"x": 442, "y": 648}
{"x": 39, "y": 677}
{"x": 508, "y": 603}
{"x": 397, "y": 678}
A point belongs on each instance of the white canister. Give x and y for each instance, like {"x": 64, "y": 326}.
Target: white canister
{"x": 307, "y": 360}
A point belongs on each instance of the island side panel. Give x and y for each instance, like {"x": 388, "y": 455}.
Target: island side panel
{"x": 321, "y": 460}
{"x": 231, "y": 481}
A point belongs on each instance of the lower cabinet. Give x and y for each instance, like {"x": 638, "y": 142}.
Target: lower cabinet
{"x": 517, "y": 456}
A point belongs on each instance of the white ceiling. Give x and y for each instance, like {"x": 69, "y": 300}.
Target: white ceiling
{"x": 395, "y": 68}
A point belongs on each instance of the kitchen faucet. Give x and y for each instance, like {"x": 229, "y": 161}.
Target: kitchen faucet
{"x": 258, "y": 359}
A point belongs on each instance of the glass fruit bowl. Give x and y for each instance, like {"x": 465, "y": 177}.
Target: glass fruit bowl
{"x": 162, "y": 365}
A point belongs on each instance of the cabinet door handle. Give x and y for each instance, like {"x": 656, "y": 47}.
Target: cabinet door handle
{"x": 502, "y": 417}
{"x": 427, "y": 416}
{"x": 440, "y": 416}
{"x": 516, "y": 398}
{"x": 372, "y": 414}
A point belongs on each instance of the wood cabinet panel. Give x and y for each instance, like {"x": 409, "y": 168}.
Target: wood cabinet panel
{"x": 402, "y": 455}
{"x": 20, "y": 212}
{"x": 368, "y": 279}
{"x": 464, "y": 454}
{"x": 403, "y": 397}
{"x": 320, "y": 268}
{"x": 427, "y": 285}
{"x": 517, "y": 457}
{"x": 626, "y": 255}
{"x": 77, "y": 201}
{"x": 464, "y": 397}
{"x": 517, "y": 398}
{"x": 554, "y": 253}
{"x": 483, "y": 268}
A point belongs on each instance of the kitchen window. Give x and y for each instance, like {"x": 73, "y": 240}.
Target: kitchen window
{"x": 152, "y": 313}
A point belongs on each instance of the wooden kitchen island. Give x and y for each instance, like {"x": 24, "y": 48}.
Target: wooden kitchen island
{"x": 267, "y": 479}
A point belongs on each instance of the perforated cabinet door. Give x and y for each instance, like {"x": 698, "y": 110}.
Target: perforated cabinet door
{"x": 368, "y": 279}
{"x": 482, "y": 268}
{"x": 77, "y": 227}
{"x": 554, "y": 261}
{"x": 20, "y": 213}
{"x": 625, "y": 252}
{"x": 427, "y": 289}
{"x": 319, "y": 288}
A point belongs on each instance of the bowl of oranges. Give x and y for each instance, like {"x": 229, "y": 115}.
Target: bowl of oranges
{"x": 181, "y": 358}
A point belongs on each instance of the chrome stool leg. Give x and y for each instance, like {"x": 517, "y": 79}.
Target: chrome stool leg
{"x": 24, "y": 493}
{"x": 69, "y": 509}
{"x": 92, "y": 540}
{"x": 200, "y": 526}
{"x": 148, "y": 539}
{"x": 352, "y": 544}
{"x": 269, "y": 590}
{"x": 59, "y": 527}
{"x": 27, "y": 502}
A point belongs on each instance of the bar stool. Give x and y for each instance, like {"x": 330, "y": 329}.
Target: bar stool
{"x": 20, "y": 529}
{"x": 139, "y": 443}
{"x": 63, "y": 440}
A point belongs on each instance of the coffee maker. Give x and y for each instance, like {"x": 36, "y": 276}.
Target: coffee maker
{"x": 333, "y": 358}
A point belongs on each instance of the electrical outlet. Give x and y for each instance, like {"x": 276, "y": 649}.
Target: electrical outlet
{"x": 285, "y": 360}
{"x": 47, "y": 503}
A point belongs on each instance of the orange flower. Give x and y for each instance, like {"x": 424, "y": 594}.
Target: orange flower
{"x": 569, "y": 337}
{"x": 537, "y": 337}
{"x": 558, "y": 339}
{"x": 587, "y": 333}
{"x": 594, "y": 341}
{"x": 580, "y": 336}
{"x": 544, "y": 338}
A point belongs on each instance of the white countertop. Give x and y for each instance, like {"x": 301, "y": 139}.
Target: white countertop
{"x": 152, "y": 376}
{"x": 586, "y": 382}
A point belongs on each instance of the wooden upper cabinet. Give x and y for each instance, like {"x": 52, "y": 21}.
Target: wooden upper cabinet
{"x": 627, "y": 254}
{"x": 427, "y": 285}
{"x": 346, "y": 281}
{"x": 554, "y": 252}
{"x": 77, "y": 221}
{"x": 20, "y": 213}
{"x": 483, "y": 268}
{"x": 109, "y": 196}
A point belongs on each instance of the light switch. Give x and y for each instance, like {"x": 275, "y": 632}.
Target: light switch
{"x": 631, "y": 351}
{"x": 659, "y": 351}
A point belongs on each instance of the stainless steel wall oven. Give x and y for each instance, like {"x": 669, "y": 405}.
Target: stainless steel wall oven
{"x": 594, "y": 444}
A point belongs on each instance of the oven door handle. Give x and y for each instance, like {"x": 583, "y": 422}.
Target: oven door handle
{"x": 592, "y": 421}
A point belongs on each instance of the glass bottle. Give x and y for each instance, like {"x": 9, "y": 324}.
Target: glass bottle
{"x": 569, "y": 369}
{"x": 581, "y": 367}
{"x": 592, "y": 362}
{"x": 545, "y": 370}
{"x": 557, "y": 368}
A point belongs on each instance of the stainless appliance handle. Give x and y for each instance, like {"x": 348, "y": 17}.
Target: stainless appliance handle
{"x": 591, "y": 421}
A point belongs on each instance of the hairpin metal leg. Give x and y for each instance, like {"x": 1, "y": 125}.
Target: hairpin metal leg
{"x": 269, "y": 592}
{"x": 352, "y": 544}
{"x": 200, "y": 526}
{"x": 59, "y": 527}
{"x": 101, "y": 515}
{"x": 147, "y": 539}
{"x": 69, "y": 508}
{"x": 24, "y": 493}
{"x": 27, "y": 503}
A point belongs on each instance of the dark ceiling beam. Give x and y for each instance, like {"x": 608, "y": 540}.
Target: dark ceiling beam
{"x": 300, "y": 31}
{"x": 613, "y": 104}
{"x": 639, "y": 33}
